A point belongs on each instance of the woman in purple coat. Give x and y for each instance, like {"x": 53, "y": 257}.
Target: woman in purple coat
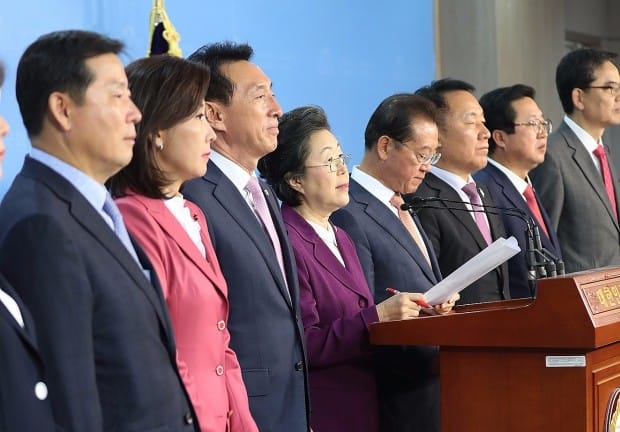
{"x": 309, "y": 174}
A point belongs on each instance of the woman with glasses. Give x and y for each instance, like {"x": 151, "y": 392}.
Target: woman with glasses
{"x": 308, "y": 172}
{"x": 173, "y": 145}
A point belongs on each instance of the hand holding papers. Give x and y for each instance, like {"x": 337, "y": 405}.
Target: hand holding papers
{"x": 495, "y": 254}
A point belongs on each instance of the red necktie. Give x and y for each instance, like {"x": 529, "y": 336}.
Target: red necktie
{"x": 599, "y": 152}
{"x": 530, "y": 199}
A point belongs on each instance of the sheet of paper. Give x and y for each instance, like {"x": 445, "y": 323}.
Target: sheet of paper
{"x": 495, "y": 254}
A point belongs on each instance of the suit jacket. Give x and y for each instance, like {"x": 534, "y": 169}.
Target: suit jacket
{"x": 196, "y": 294}
{"x": 265, "y": 328}
{"x": 337, "y": 310}
{"x": 505, "y": 195}
{"x": 407, "y": 380}
{"x": 104, "y": 331}
{"x": 572, "y": 191}
{"x": 456, "y": 238}
{"x": 24, "y": 403}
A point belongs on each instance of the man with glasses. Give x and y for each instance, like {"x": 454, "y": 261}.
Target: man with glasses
{"x": 517, "y": 144}
{"x": 576, "y": 183}
{"x": 459, "y": 226}
{"x": 401, "y": 141}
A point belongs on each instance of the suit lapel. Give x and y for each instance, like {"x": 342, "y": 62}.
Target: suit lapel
{"x": 169, "y": 224}
{"x": 85, "y": 215}
{"x": 445, "y": 191}
{"x": 230, "y": 199}
{"x": 584, "y": 161}
{"x": 387, "y": 220}
{"x": 26, "y": 333}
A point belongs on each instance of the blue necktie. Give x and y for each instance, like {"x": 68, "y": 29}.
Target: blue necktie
{"x": 110, "y": 208}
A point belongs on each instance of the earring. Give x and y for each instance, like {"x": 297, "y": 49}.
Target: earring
{"x": 160, "y": 146}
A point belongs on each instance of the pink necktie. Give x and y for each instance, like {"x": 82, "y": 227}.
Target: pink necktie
{"x": 407, "y": 220}
{"x": 472, "y": 192}
{"x": 599, "y": 152}
{"x": 262, "y": 211}
{"x": 530, "y": 199}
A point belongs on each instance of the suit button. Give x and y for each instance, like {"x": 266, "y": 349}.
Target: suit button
{"x": 40, "y": 390}
{"x": 361, "y": 303}
{"x": 219, "y": 370}
{"x": 221, "y": 325}
{"x": 188, "y": 418}
{"x": 299, "y": 366}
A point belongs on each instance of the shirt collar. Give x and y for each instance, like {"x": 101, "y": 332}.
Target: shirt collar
{"x": 234, "y": 172}
{"x": 586, "y": 139}
{"x": 373, "y": 186}
{"x": 517, "y": 182}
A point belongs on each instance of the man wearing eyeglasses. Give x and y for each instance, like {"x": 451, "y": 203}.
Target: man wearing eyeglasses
{"x": 576, "y": 183}
{"x": 401, "y": 141}
{"x": 517, "y": 144}
{"x": 462, "y": 228}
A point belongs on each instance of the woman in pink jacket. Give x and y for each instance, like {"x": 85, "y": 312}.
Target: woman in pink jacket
{"x": 172, "y": 145}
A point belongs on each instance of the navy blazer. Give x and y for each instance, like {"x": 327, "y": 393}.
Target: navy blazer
{"x": 456, "y": 238}
{"x": 572, "y": 191}
{"x": 24, "y": 402}
{"x": 506, "y": 195}
{"x": 264, "y": 323}
{"x": 103, "y": 328}
{"x": 407, "y": 380}
{"x": 337, "y": 310}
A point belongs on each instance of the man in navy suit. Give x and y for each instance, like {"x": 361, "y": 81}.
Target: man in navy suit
{"x": 401, "y": 141}
{"x": 103, "y": 329}
{"x": 24, "y": 403}
{"x": 457, "y": 233}
{"x": 250, "y": 239}
{"x": 517, "y": 144}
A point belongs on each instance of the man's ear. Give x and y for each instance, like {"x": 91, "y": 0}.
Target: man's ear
{"x": 60, "y": 109}
{"x": 577, "y": 97}
{"x": 499, "y": 136}
{"x": 383, "y": 147}
{"x": 215, "y": 116}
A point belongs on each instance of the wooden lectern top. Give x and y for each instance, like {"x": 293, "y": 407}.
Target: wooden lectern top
{"x": 579, "y": 310}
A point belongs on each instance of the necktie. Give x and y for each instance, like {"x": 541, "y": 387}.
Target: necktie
{"x": 407, "y": 220}
{"x": 530, "y": 199}
{"x": 599, "y": 152}
{"x": 262, "y": 211}
{"x": 110, "y": 208}
{"x": 472, "y": 192}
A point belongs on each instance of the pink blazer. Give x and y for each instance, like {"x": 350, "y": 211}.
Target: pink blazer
{"x": 196, "y": 294}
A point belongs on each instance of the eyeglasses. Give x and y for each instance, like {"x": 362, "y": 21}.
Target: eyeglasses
{"x": 540, "y": 126}
{"x": 611, "y": 89}
{"x": 423, "y": 159}
{"x": 334, "y": 163}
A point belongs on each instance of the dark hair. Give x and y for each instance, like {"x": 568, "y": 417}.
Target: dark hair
{"x": 57, "y": 62}
{"x": 576, "y": 70}
{"x": 167, "y": 90}
{"x": 498, "y": 110}
{"x": 393, "y": 118}
{"x": 289, "y": 157}
{"x": 214, "y": 56}
{"x": 436, "y": 91}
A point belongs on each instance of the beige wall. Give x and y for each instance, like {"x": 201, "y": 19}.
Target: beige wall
{"x": 493, "y": 43}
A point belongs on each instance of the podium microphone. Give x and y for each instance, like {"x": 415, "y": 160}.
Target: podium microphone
{"x": 540, "y": 262}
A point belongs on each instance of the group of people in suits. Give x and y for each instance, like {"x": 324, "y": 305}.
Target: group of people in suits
{"x": 151, "y": 281}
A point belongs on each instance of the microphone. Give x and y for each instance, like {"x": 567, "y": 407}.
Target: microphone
{"x": 541, "y": 263}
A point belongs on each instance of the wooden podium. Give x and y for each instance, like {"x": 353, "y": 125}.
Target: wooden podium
{"x": 550, "y": 364}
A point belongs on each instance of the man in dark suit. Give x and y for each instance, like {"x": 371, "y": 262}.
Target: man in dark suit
{"x": 576, "y": 183}
{"x": 457, "y": 234}
{"x": 517, "y": 144}
{"x": 103, "y": 329}
{"x": 24, "y": 403}
{"x": 400, "y": 147}
{"x": 250, "y": 239}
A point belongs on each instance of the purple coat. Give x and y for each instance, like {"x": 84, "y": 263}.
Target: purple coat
{"x": 337, "y": 310}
